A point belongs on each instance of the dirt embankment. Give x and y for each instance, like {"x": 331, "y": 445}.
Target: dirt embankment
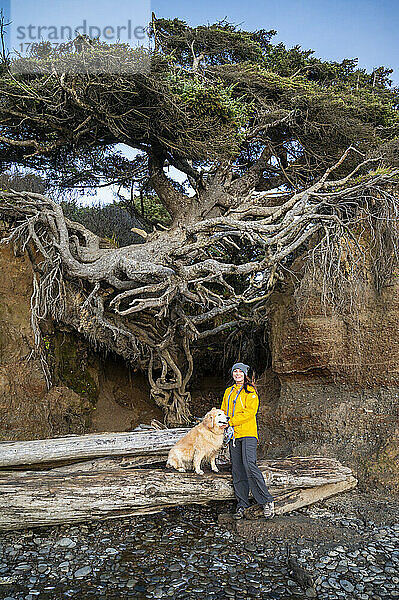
{"x": 91, "y": 391}
{"x": 333, "y": 388}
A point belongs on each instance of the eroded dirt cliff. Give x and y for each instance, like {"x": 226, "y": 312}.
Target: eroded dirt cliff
{"x": 333, "y": 388}
{"x": 90, "y": 391}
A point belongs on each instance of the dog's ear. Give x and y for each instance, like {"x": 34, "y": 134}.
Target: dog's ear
{"x": 208, "y": 420}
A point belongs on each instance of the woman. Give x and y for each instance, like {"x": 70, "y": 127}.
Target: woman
{"x": 240, "y": 403}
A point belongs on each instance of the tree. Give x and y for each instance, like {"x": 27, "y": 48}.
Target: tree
{"x": 285, "y": 156}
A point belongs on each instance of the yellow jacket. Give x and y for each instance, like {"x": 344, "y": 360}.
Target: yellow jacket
{"x": 247, "y": 404}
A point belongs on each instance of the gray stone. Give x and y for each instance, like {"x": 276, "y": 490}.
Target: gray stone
{"x": 82, "y": 572}
{"x": 333, "y": 583}
{"x": 66, "y": 543}
{"x": 347, "y": 585}
{"x": 42, "y": 568}
{"x": 376, "y": 569}
{"x": 23, "y": 567}
{"x": 183, "y": 552}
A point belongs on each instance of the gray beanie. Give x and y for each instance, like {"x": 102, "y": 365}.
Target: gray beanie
{"x": 241, "y": 366}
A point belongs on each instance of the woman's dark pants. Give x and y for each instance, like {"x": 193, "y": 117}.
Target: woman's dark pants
{"x": 246, "y": 473}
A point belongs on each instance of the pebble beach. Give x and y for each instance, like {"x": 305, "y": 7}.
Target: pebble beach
{"x": 187, "y": 553}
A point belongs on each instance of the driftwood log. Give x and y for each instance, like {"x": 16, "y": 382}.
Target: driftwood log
{"x": 78, "y": 448}
{"x": 111, "y": 463}
{"x": 30, "y": 499}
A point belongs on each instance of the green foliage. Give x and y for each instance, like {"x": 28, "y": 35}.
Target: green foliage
{"x": 285, "y": 62}
{"x": 111, "y": 222}
{"x": 212, "y": 94}
{"x": 204, "y": 100}
{"x": 20, "y": 181}
{"x": 154, "y": 212}
{"x": 220, "y": 43}
{"x": 70, "y": 368}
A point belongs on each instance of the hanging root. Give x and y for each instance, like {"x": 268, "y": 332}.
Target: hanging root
{"x": 168, "y": 389}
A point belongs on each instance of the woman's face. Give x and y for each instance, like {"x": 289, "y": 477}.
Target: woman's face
{"x": 238, "y": 376}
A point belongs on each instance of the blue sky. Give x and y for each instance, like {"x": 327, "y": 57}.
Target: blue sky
{"x": 364, "y": 29}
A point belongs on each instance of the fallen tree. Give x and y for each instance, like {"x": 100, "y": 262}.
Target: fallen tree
{"x": 139, "y": 444}
{"x": 31, "y": 499}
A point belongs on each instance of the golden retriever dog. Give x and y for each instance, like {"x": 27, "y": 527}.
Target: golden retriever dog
{"x": 202, "y": 442}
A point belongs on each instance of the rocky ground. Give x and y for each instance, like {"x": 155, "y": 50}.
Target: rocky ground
{"x": 345, "y": 547}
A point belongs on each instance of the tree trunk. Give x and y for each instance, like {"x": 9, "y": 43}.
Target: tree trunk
{"x": 30, "y": 499}
{"x": 110, "y": 464}
{"x": 61, "y": 450}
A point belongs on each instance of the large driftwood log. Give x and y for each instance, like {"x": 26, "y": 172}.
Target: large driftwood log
{"x": 134, "y": 443}
{"x": 30, "y": 499}
{"x": 112, "y": 463}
